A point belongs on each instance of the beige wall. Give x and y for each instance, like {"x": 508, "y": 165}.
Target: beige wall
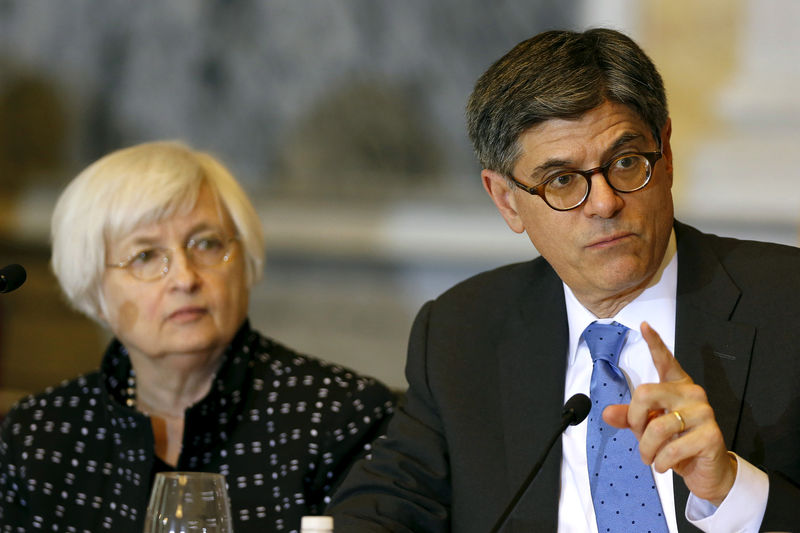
{"x": 346, "y": 276}
{"x": 694, "y": 45}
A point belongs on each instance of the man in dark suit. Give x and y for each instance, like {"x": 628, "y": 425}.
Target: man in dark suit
{"x": 492, "y": 360}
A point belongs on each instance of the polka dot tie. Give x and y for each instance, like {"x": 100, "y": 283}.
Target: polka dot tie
{"x": 623, "y": 490}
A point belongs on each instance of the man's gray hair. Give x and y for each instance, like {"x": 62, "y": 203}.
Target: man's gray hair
{"x": 559, "y": 74}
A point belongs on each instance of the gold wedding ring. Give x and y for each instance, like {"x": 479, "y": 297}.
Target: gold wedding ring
{"x": 680, "y": 419}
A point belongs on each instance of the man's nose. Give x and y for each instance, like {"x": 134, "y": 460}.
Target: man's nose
{"x": 603, "y": 200}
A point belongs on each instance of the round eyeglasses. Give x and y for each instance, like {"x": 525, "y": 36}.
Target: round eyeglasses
{"x": 205, "y": 251}
{"x": 570, "y": 189}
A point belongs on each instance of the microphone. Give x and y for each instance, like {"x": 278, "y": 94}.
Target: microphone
{"x": 11, "y": 277}
{"x": 574, "y": 412}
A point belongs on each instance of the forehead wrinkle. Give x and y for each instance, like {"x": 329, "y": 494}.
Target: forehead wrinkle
{"x": 623, "y": 139}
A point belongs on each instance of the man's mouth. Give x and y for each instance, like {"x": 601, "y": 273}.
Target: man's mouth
{"x": 609, "y": 240}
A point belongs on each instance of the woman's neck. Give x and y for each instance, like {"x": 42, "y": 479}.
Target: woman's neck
{"x": 169, "y": 384}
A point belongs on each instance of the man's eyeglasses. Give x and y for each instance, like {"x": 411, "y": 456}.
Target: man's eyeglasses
{"x": 570, "y": 189}
{"x": 204, "y": 251}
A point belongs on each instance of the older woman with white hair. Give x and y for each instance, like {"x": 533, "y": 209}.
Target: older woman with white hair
{"x": 159, "y": 243}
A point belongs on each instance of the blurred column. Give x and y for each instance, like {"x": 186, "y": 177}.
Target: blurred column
{"x": 748, "y": 173}
{"x": 690, "y": 43}
{"x": 622, "y": 15}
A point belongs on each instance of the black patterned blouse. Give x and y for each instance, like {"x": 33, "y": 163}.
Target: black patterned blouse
{"x": 281, "y": 427}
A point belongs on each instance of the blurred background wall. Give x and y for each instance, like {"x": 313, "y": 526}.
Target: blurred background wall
{"x": 344, "y": 121}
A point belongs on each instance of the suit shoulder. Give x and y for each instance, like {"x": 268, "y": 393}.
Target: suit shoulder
{"x": 727, "y": 245}
{"x": 492, "y": 296}
{"x": 730, "y": 250}
{"x": 499, "y": 282}
{"x": 764, "y": 266}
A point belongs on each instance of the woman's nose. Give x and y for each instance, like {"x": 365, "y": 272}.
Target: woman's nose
{"x": 182, "y": 271}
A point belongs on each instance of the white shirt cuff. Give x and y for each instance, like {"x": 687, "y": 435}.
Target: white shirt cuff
{"x": 741, "y": 511}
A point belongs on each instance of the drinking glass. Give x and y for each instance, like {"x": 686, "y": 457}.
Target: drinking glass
{"x": 188, "y": 502}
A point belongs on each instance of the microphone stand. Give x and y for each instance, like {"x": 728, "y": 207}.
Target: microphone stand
{"x": 575, "y": 410}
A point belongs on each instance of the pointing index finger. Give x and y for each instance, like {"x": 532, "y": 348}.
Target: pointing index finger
{"x": 666, "y": 365}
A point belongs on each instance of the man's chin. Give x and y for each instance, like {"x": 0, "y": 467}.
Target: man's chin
{"x": 626, "y": 284}
{"x": 622, "y": 274}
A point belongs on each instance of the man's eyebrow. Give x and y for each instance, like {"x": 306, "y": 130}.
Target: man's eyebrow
{"x": 621, "y": 141}
{"x": 624, "y": 139}
{"x": 550, "y": 163}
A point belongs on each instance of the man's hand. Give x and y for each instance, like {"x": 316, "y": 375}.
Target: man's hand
{"x": 697, "y": 453}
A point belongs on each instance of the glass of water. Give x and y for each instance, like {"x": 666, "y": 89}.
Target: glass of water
{"x": 188, "y": 502}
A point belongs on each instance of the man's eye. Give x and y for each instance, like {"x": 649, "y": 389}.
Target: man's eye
{"x": 563, "y": 181}
{"x": 627, "y": 162}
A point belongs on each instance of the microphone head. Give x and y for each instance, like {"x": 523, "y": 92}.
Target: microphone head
{"x": 11, "y": 277}
{"x": 576, "y": 409}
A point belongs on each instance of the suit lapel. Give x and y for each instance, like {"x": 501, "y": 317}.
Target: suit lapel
{"x": 711, "y": 348}
{"x": 532, "y": 366}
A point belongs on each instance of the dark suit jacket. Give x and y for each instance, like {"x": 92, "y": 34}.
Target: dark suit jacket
{"x": 486, "y": 369}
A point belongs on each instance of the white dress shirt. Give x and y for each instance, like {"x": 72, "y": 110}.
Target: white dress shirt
{"x": 744, "y": 507}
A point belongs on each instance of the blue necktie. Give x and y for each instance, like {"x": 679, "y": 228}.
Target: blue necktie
{"x": 623, "y": 490}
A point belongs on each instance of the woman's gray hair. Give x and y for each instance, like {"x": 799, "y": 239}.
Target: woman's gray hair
{"x": 132, "y": 187}
{"x": 559, "y": 74}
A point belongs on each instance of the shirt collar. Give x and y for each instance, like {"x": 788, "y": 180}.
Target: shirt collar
{"x": 656, "y": 305}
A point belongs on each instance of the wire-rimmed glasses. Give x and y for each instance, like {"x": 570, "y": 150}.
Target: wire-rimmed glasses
{"x": 203, "y": 251}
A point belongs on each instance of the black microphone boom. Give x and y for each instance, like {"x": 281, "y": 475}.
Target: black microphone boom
{"x": 574, "y": 412}
{"x": 11, "y": 277}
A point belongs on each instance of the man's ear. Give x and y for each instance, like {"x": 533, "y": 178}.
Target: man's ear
{"x": 502, "y": 194}
{"x": 666, "y": 148}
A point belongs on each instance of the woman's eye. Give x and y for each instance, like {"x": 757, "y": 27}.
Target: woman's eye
{"x": 206, "y": 243}
{"x": 144, "y": 256}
